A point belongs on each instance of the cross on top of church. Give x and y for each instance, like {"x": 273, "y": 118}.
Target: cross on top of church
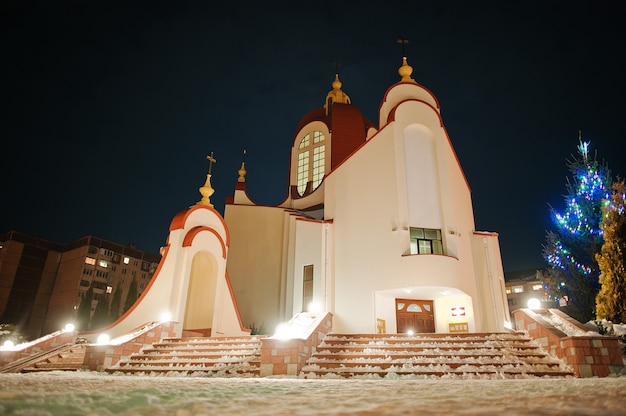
{"x": 211, "y": 160}
{"x": 402, "y": 41}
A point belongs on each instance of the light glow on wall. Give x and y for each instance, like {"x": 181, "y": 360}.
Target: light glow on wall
{"x": 103, "y": 339}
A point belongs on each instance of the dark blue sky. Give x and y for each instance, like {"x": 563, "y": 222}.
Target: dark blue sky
{"x": 109, "y": 108}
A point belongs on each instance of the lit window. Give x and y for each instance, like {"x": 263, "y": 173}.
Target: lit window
{"x": 109, "y": 289}
{"x": 303, "y": 171}
{"x": 126, "y": 260}
{"x": 508, "y": 290}
{"x": 425, "y": 241}
{"x": 90, "y": 260}
{"x": 518, "y": 289}
{"x": 311, "y": 161}
{"x": 103, "y": 263}
{"x": 319, "y": 154}
{"x": 537, "y": 287}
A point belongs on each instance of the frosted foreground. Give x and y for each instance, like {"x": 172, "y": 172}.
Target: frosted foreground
{"x": 85, "y": 393}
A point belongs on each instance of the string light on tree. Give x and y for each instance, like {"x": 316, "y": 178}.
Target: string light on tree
{"x": 571, "y": 247}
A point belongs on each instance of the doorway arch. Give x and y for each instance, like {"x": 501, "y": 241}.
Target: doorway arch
{"x": 201, "y": 292}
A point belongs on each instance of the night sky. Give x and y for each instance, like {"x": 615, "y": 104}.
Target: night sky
{"x": 109, "y": 108}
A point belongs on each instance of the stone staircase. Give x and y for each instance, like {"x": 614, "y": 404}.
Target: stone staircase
{"x": 196, "y": 356}
{"x": 67, "y": 358}
{"x": 468, "y": 355}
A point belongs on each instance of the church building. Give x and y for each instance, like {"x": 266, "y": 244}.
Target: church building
{"x": 377, "y": 227}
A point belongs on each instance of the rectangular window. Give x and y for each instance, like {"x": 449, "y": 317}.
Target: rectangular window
{"x": 303, "y": 171}
{"x": 425, "y": 241}
{"x": 518, "y": 289}
{"x": 126, "y": 260}
{"x": 537, "y": 287}
{"x": 319, "y": 155}
{"x": 90, "y": 260}
{"x": 103, "y": 263}
{"x": 307, "y": 286}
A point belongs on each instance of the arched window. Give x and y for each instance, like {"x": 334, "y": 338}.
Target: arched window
{"x": 311, "y": 158}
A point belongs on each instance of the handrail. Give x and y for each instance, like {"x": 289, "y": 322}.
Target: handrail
{"x": 18, "y": 365}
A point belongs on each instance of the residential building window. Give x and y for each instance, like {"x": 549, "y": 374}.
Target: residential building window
{"x": 518, "y": 289}
{"x": 311, "y": 161}
{"x": 537, "y": 287}
{"x": 90, "y": 260}
{"x": 307, "y": 286}
{"x": 425, "y": 241}
{"x": 103, "y": 263}
{"x": 109, "y": 289}
{"x": 126, "y": 260}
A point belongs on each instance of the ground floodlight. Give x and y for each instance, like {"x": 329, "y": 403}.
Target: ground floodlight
{"x": 410, "y": 332}
{"x": 533, "y": 303}
{"x": 314, "y": 308}
{"x": 283, "y": 332}
{"x": 69, "y": 327}
{"x": 103, "y": 338}
{"x": 166, "y": 316}
{"x": 8, "y": 344}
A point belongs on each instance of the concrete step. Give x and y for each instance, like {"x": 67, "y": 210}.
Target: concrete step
{"x": 497, "y": 355}
{"x": 71, "y": 358}
{"x": 210, "y": 356}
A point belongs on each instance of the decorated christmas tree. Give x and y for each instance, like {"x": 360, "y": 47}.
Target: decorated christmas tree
{"x": 611, "y": 301}
{"x": 572, "y": 277}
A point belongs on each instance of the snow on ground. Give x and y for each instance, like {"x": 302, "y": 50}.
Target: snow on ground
{"x": 90, "y": 393}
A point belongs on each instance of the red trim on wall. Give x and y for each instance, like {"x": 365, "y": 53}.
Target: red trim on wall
{"x": 179, "y": 220}
{"x": 232, "y": 296}
{"x": 139, "y": 299}
{"x": 486, "y": 233}
{"x": 191, "y": 234}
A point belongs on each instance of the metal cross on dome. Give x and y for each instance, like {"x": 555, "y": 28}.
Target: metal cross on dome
{"x": 211, "y": 160}
{"x": 402, "y": 41}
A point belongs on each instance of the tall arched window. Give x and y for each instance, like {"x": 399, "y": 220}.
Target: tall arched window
{"x": 311, "y": 158}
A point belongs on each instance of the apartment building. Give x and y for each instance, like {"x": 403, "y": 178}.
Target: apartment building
{"x": 42, "y": 283}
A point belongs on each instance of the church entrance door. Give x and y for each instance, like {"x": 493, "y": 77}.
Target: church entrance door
{"x": 415, "y": 315}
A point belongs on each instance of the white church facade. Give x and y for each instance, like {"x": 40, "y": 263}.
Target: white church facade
{"x": 377, "y": 229}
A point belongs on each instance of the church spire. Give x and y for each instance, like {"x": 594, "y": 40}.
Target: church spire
{"x": 405, "y": 70}
{"x": 336, "y": 95}
{"x": 207, "y": 190}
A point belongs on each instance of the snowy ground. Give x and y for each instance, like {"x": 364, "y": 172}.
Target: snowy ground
{"x": 85, "y": 393}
